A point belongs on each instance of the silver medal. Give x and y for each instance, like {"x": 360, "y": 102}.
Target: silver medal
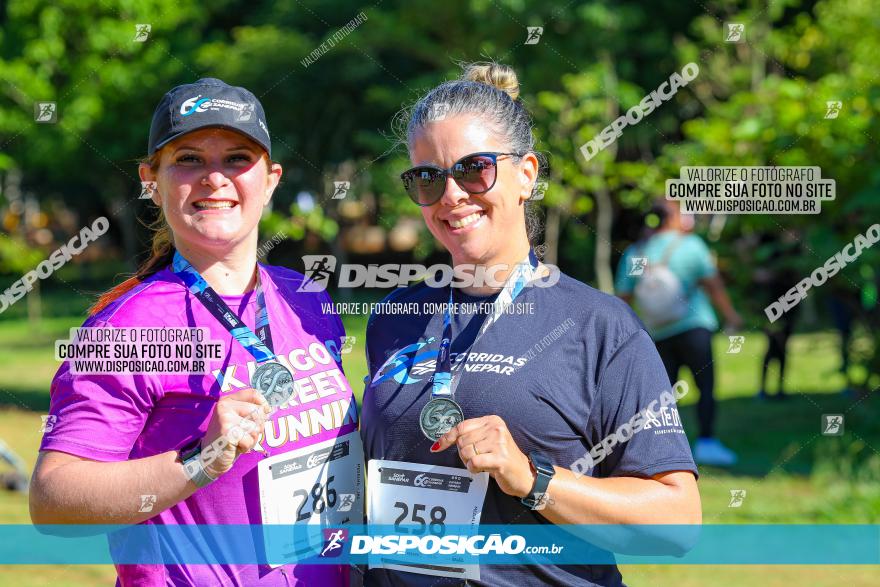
{"x": 439, "y": 416}
{"x": 275, "y": 382}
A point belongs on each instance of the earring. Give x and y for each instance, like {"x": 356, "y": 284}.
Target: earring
{"x": 537, "y": 192}
{"x": 147, "y": 189}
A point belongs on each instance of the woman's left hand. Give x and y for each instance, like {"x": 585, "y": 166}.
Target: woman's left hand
{"x": 485, "y": 444}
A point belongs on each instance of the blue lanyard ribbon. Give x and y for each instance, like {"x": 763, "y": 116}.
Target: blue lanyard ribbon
{"x": 524, "y": 272}
{"x": 260, "y": 344}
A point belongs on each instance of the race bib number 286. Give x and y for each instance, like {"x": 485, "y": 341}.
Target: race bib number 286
{"x": 318, "y": 484}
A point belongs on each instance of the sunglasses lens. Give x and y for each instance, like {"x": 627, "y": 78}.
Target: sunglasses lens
{"x": 476, "y": 174}
{"x": 424, "y": 186}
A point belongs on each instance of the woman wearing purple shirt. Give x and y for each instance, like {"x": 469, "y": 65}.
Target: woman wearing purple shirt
{"x": 198, "y": 447}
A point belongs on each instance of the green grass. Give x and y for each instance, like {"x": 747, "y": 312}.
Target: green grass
{"x": 27, "y": 354}
{"x": 792, "y": 474}
{"x": 758, "y": 575}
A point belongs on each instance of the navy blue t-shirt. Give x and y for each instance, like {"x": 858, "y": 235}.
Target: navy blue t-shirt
{"x": 564, "y": 369}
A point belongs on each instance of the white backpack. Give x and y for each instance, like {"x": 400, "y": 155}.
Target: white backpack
{"x": 660, "y": 293}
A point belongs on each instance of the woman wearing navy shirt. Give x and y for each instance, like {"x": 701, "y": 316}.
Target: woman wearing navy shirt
{"x": 514, "y": 401}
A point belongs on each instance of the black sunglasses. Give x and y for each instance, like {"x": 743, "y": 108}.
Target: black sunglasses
{"x": 475, "y": 173}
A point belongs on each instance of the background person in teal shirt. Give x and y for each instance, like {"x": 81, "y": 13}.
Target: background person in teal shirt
{"x": 684, "y": 337}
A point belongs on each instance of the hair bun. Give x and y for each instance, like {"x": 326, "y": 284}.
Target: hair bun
{"x": 495, "y": 74}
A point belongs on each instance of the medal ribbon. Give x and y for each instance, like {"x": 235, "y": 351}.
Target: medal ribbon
{"x": 260, "y": 344}
{"x": 522, "y": 274}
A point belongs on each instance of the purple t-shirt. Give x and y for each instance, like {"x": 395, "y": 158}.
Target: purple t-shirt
{"x": 118, "y": 417}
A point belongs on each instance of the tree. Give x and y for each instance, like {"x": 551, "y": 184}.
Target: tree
{"x": 766, "y": 103}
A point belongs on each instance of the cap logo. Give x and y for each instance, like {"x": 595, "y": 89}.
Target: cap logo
{"x": 194, "y": 104}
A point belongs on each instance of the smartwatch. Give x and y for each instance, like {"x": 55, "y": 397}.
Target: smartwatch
{"x": 193, "y": 467}
{"x": 544, "y": 472}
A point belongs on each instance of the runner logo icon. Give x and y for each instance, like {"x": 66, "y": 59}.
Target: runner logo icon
{"x": 333, "y": 540}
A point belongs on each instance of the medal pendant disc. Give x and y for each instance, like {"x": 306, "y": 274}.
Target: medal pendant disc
{"x": 439, "y": 416}
{"x": 275, "y": 382}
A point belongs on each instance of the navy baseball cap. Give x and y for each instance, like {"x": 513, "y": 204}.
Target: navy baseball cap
{"x": 208, "y": 103}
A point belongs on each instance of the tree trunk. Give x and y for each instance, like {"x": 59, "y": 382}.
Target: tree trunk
{"x": 604, "y": 221}
{"x": 551, "y": 235}
{"x": 604, "y": 205}
{"x": 128, "y": 229}
{"x": 35, "y": 306}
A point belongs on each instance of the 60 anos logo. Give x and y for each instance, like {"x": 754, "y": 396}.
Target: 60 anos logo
{"x": 195, "y": 104}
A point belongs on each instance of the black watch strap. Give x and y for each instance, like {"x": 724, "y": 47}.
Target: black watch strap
{"x": 193, "y": 467}
{"x": 186, "y": 452}
{"x": 544, "y": 473}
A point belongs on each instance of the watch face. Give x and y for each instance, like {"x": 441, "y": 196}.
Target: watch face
{"x": 542, "y": 463}
{"x": 187, "y": 453}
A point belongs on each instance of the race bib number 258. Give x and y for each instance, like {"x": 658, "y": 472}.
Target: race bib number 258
{"x": 424, "y": 499}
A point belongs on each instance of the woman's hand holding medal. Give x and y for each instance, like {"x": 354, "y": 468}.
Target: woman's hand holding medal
{"x": 485, "y": 444}
{"x": 235, "y": 427}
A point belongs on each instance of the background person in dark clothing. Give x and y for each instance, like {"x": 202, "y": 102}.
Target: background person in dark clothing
{"x": 775, "y": 275}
